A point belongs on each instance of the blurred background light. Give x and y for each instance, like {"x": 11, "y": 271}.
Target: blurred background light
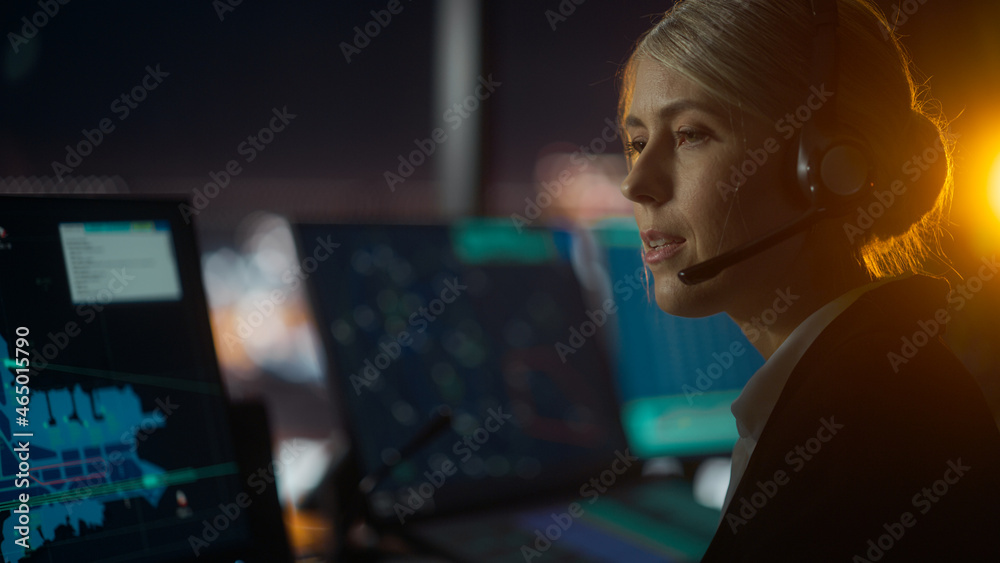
{"x": 994, "y": 186}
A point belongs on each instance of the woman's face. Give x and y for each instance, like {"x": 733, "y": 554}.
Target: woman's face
{"x": 688, "y": 147}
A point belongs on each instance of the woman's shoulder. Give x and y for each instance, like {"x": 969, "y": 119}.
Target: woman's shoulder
{"x": 925, "y": 408}
{"x": 890, "y": 340}
{"x": 855, "y": 444}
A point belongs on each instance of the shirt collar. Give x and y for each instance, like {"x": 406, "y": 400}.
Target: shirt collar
{"x": 754, "y": 405}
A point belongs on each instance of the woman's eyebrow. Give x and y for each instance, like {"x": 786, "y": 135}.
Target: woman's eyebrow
{"x": 673, "y": 108}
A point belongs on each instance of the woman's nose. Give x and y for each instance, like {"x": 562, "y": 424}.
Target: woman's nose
{"x": 648, "y": 182}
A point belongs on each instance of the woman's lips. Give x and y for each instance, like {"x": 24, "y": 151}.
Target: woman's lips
{"x": 660, "y": 246}
{"x": 658, "y": 254}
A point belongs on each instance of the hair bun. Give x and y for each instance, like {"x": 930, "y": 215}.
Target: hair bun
{"x": 915, "y": 177}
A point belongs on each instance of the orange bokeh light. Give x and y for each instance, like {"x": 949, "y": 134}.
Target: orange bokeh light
{"x": 994, "y": 187}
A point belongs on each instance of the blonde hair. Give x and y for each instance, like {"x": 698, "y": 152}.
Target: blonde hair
{"x": 755, "y": 55}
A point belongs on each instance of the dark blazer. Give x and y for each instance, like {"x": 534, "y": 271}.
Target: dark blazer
{"x": 861, "y": 462}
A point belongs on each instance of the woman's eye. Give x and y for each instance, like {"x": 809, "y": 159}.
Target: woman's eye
{"x": 634, "y": 148}
{"x": 684, "y": 136}
{"x": 688, "y": 136}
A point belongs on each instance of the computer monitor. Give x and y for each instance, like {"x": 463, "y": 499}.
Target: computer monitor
{"x": 483, "y": 320}
{"x": 678, "y": 376}
{"x": 117, "y": 441}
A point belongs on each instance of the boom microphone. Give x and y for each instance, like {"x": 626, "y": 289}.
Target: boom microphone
{"x": 708, "y": 269}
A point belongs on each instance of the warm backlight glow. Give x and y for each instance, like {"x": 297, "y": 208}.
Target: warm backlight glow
{"x": 995, "y": 187}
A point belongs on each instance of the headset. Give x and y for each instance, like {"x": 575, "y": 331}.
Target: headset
{"x": 834, "y": 167}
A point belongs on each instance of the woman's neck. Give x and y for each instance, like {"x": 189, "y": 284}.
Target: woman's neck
{"x": 769, "y": 317}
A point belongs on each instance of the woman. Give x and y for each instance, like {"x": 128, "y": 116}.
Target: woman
{"x": 862, "y": 438}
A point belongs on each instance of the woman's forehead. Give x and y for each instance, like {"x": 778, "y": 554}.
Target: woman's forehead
{"x": 661, "y": 92}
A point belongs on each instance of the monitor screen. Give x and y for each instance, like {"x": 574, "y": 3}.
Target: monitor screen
{"x": 480, "y": 318}
{"x": 117, "y": 440}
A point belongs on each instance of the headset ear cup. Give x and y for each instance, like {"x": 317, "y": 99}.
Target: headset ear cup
{"x": 836, "y": 171}
{"x": 835, "y": 165}
{"x": 845, "y": 169}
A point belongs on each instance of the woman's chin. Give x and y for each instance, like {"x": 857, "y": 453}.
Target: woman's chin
{"x": 675, "y": 298}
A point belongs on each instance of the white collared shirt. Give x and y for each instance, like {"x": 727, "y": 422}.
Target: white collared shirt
{"x": 754, "y": 405}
